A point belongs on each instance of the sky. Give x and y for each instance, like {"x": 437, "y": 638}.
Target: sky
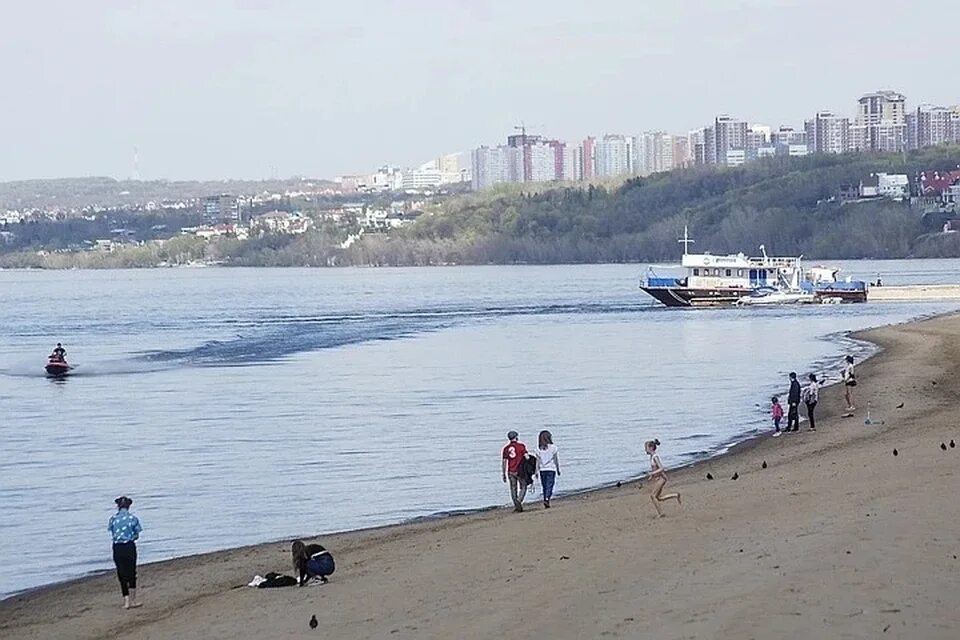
{"x": 211, "y": 89}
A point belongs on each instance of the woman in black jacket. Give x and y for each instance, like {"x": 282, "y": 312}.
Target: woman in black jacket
{"x": 311, "y": 561}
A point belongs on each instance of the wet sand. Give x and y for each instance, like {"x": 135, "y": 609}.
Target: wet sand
{"x": 836, "y": 538}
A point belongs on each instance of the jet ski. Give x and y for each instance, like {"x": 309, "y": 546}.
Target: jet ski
{"x": 57, "y": 367}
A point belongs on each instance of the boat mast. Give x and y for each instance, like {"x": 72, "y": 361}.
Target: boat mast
{"x": 686, "y": 241}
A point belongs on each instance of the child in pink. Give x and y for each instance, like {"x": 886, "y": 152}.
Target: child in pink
{"x": 776, "y": 412}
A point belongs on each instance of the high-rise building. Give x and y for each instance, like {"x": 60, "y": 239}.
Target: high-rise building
{"x": 787, "y": 141}
{"x": 758, "y": 143}
{"x": 494, "y": 165}
{"x": 728, "y": 134}
{"x": 881, "y": 122}
{"x": 566, "y": 161}
{"x": 929, "y": 125}
{"x": 540, "y": 160}
{"x": 828, "y": 133}
{"x": 223, "y": 208}
{"x": 682, "y": 155}
{"x": 697, "y": 142}
{"x": 588, "y": 159}
{"x": 614, "y": 156}
{"x": 654, "y": 153}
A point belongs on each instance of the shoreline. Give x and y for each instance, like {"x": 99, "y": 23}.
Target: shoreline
{"x": 736, "y": 444}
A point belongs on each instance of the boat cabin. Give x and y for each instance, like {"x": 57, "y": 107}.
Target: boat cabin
{"x": 706, "y": 271}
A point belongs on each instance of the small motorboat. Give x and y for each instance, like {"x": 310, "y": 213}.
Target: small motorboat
{"x": 773, "y": 296}
{"x": 57, "y": 367}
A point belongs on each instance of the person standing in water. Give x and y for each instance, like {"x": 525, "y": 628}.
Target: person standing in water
{"x": 548, "y": 465}
{"x": 513, "y": 455}
{"x": 659, "y": 476}
{"x": 124, "y": 528}
{"x": 793, "y": 404}
{"x": 811, "y": 395}
{"x": 849, "y": 382}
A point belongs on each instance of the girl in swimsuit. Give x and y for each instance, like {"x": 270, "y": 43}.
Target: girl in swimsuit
{"x": 659, "y": 476}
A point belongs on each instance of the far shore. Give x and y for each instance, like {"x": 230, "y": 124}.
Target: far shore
{"x": 836, "y": 537}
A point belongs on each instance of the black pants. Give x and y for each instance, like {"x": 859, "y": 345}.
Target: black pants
{"x": 125, "y": 557}
{"x": 810, "y": 407}
{"x": 793, "y": 417}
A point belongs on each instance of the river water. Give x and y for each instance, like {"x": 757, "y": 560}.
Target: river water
{"x": 244, "y": 405}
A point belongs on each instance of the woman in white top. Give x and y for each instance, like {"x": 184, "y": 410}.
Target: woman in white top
{"x": 659, "y": 476}
{"x": 548, "y": 465}
{"x": 849, "y": 382}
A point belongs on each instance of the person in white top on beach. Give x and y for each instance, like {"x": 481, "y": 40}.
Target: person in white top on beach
{"x": 849, "y": 382}
{"x": 659, "y": 476}
{"x": 548, "y": 465}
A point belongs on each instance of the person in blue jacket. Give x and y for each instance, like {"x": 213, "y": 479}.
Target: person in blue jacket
{"x": 125, "y": 529}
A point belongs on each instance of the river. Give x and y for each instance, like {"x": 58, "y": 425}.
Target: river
{"x": 244, "y": 405}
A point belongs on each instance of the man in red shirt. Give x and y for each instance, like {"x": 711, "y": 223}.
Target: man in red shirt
{"x": 513, "y": 456}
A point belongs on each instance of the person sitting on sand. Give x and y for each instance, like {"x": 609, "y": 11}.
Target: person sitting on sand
{"x": 311, "y": 561}
{"x": 125, "y": 529}
{"x": 659, "y": 476}
{"x": 849, "y": 382}
{"x": 513, "y": 455}
{"x": 811, "y": 394}
{"x": 776, "y": 412}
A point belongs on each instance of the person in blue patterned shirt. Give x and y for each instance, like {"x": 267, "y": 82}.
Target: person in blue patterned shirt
{"x": 124, "y": 528}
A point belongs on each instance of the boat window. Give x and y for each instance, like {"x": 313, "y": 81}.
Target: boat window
{"x": 740, "y": 272}
{"x": 696, "y": 272}
{"x": 729, "y": 272}
{"x": 716, "y": 272}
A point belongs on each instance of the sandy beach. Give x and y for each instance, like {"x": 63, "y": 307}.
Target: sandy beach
{"x": 836, "y": 538}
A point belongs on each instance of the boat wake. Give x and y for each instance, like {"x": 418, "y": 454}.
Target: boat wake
{"x": 275, "y": 338}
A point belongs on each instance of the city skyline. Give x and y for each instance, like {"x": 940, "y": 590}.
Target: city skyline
{"x": 254, "y": 89}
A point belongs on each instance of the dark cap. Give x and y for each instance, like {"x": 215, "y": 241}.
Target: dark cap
{"x": 512, "y": 435}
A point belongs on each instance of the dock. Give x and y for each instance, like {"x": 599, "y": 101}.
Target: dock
{"x": 914, "y": 293}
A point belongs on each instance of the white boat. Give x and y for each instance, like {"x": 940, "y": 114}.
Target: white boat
{"x": 717, "y": 280}
{"x": 774, "y": 296}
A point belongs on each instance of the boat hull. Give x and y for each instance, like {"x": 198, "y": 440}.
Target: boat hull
{"x": 57, "y": 369}
{"x": 687, "y": 297}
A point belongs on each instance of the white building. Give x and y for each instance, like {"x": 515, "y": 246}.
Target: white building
{"x": 420, "y": 179}
{"x": 881, "y": 122}
{"x": 614, "y": 156}
{"x": 541, "y": 158}
{"x": 654, "y": 153}
{"x": 495, "y": 165}
{"x": 893, "y": 185}
{"x": 828, "y": 133}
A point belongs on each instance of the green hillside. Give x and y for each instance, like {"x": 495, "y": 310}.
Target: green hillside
{"x": 788, "y": 204}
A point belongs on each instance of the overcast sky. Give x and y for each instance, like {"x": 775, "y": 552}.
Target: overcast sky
{"x": 251, "y": 88}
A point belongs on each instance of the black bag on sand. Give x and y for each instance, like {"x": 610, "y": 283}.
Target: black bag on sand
{"x": 274, "y": 580}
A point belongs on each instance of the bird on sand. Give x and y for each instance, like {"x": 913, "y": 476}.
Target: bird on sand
{"x": 764, "y": 465}
{"x": 709, "y": 476}
{"x": 943, "y": 446}
{"x": 313, "y": 622}
{"x": 952, "y": 444}
{"x": 900, "y": 406}
{"x": 895, "y": 452}
{"x": 735, "y": 475}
